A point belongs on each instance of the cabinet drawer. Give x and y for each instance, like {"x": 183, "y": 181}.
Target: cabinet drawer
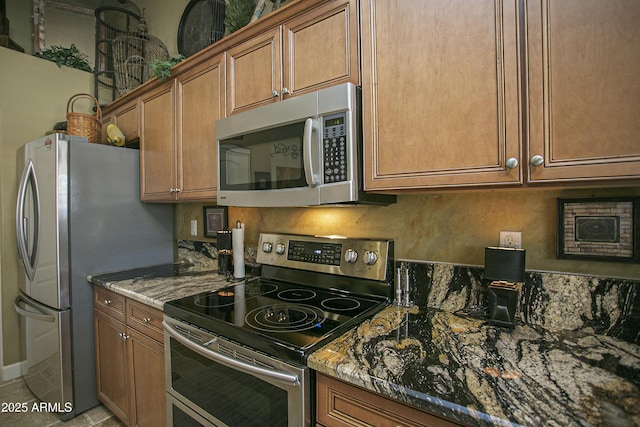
{"x": 108, "y": 302}
{"x": 145, "y": 319}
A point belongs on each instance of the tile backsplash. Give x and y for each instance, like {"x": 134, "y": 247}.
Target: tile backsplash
{"x": 555, "y": 301}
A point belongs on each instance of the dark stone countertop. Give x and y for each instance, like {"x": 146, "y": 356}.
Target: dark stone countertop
{"x": 477, "y": 374}
{"x": 158, "y": 284}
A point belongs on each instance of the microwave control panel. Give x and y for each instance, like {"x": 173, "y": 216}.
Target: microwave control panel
{"x": 334, "y": 141}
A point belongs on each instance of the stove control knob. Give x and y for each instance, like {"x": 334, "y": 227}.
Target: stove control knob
{"x": 351, "y": 256}
{"x": 370, "y": 257}
{"x": 267, "y": 247}
{"x": 280, "y": 248}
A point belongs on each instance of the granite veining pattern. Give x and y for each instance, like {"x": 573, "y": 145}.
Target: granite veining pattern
{"x": 156, "y": 285}
{"x": 195, "y": 272}
{"x": 555, "y": 301}
{"x": 573, "y": 358}
{"x": 483, "y": 375}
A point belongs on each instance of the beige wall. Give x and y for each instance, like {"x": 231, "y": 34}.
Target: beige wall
{"x": 163, "y": 19}
{"x": 448, "y": 227}
{"x": 33, "y": 97}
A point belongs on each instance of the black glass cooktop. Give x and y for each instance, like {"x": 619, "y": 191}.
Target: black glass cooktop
{"x": 281, "y": 319}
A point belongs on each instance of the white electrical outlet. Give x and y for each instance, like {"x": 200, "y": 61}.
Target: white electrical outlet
{"x": 511, "y": 239}
{"x": 194, "y": 227}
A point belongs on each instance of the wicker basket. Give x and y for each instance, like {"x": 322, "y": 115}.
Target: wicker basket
{"x": 82, "y": 124}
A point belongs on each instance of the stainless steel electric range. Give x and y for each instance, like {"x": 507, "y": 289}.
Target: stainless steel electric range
{"x": 237, "y": 356}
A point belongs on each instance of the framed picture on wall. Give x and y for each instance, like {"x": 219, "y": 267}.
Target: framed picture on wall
{"x": 599, "y": 229}
{"x": 215, "y": 219}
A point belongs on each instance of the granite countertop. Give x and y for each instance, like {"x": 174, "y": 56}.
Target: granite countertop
{"x": 158, "y": 284}
{"x": 477, "y": 374}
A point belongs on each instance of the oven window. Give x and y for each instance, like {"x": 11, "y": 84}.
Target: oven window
{"x": 233, "y": 397}
{"x": 264, "y": 160}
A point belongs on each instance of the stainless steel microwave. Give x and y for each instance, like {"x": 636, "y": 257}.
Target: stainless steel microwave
{"x": 304, "y": 151}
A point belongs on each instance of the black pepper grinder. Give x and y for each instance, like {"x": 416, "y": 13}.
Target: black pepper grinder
{"x": 225, "y": 253}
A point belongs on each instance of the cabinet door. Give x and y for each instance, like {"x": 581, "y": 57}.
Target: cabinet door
{"x": 157, "y": 145}
{"x": 147, "y": 380}
{"x": 111, "y": 365}
{"x": 584, "y": 89}
{"x": 254, "y": 72}
{"x": 343, "y": 405}
{"x": 321, "y": 48}
{"x": 441, "y": 93}
{"x": 200, "y": 102}
{"x": 126, "y": 119}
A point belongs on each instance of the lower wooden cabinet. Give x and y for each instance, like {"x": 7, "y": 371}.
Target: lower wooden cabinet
{"x": 343, "y": 405}
{"x": 129, "y": 359}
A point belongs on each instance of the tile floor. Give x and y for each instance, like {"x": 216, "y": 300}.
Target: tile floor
{"x": 16, "y": 391}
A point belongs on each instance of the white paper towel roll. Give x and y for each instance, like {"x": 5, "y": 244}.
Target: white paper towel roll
{"x": 237, "y": 242}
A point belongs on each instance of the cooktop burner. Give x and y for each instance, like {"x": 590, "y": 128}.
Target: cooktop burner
{"x": 285, "y": 318}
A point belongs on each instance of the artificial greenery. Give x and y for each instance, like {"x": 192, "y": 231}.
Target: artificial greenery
{"x": 162, "y": 68}
{"x": 67, "y": 56}
{"x": 237, "y": 14}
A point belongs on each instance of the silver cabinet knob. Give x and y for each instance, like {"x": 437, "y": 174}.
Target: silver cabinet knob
{"x": 285, "y": 91}
{"x": 351, "y": 256}
{"x": 123, "y": 336}
{"x": 536, "y": 160}
{"x": 146, "y": 320}
{"x": 275, "y": 94}
{"x": 107, "y": 302}
{"x": 512, "y": 163}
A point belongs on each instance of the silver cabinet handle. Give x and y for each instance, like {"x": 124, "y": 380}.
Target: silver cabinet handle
{"x": 275, "y": 94}
{"x": 512, "y": 163}
{"x": 537, "y": 160}
{"x": 285, "y": 91}
{"x": 174, "y": 190}
{"x": 123, "y": 336}
{"x": 146, "y": 320}
{"x": 107, "y": 302}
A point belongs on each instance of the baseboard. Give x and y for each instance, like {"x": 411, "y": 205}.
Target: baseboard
{"x": 10, "y": 372}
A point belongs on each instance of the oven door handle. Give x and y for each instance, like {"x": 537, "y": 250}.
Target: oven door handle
{"x": 276, "y": 376}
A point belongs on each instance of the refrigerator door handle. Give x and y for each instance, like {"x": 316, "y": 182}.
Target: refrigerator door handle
{"x": 29, "y": 260}
{"x": 26, "y": 313}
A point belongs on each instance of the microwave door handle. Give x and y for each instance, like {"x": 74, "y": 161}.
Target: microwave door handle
{"x": 280, "y": 377}
{"x": 309, "y": 126}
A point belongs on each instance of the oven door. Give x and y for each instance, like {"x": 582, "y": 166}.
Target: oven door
{"x": 214, "y": 382}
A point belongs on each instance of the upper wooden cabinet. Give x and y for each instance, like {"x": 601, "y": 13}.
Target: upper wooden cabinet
{"x": 454, "y": 97}
{"x": 200, "y": 103}
{"x": 158, "y": 176}
{"x": 440, "y": 93}
{"x": 126, "y": 118}
{"x": 583, "y": 89}
{"x": 316, "y": 49}
{"x": 178, "y": 159}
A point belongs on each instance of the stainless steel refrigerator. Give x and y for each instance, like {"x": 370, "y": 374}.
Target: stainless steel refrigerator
{"x": 78, "y": 213}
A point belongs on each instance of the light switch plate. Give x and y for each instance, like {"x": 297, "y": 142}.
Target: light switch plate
{"x": 194, "y": 227}
{"x": 511, "y": 239}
